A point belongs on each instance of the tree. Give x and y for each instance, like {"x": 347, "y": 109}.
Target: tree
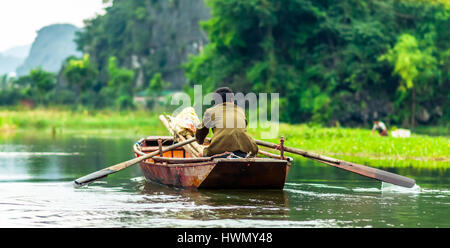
{"x": 155, "y": 87}
{"x": 9, "y": 92}
{"x": 157, "y": 84}
{"x": 81, "y": 73}
{"x": 322, "y": 56}
{"x": 121, "y": 83}
{"x": 43, "y": 81}
{"x": 413, "y": 64}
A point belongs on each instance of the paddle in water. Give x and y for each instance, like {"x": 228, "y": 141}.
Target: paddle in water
{"x": 118, "y": 167}
{"x": 363, "y": 170}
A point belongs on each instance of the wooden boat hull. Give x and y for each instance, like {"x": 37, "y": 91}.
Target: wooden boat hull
{"x": 189, "y": 176}
{"x": 220, "y": 174}
{"x": 180, "y": 171}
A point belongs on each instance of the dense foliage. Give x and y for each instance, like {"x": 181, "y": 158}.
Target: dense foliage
{"x": 333, "y": 62}
{"x": 344, "y": 61}
{"x": 37, "y": 87}
{"x": 77, "y": 85}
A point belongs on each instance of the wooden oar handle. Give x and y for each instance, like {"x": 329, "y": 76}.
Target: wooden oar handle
{"x": 118, "y": 167}
{"x": 297, "y": 151}
{"x": 363, "y": 170}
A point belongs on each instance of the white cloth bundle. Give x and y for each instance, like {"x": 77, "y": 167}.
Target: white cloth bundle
{"x": 401, "y": 133}
{"x": 185, "y": 122}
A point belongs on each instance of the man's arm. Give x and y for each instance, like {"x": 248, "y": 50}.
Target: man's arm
{"x": 373, "y": 129}
{"x": 203, "y": 128}
{"x": 201, "y": 134}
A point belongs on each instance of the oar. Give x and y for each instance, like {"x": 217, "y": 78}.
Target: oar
{"x": 363, "y": 170}
{"x": 118, "y": 167}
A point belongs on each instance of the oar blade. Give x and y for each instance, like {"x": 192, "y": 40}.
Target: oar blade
{"x": 395, "y": 179}
{"x": 380, "y": 175}
{"x": 92, "y": 177}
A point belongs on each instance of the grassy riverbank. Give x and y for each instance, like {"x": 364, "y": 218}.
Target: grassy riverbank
{"x": 351, "y": 144}
{"x": 105, "y": 121}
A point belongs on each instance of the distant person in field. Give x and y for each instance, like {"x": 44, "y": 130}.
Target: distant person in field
{"x": 228, "y": 124}
{"x": 380, "y": 127}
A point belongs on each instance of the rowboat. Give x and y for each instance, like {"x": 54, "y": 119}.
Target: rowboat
{"x": 180, "y": 169}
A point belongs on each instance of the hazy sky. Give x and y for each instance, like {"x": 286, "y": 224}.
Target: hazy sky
{"x": 20, "y": 19}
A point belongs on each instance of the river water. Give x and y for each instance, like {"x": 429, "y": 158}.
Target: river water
{"x": 37, "y": 170}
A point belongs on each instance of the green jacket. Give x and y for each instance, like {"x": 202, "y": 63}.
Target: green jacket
{"x": 228, "y": 123}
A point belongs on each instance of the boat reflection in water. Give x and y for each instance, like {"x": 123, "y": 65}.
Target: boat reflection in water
{"x": 206, "y": 204}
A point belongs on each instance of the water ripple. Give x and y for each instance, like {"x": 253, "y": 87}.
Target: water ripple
{"x": 36, "y": 154}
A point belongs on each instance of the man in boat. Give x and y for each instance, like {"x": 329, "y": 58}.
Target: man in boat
{"x": 380, "y": 127}
{"x": 228, "y": 123}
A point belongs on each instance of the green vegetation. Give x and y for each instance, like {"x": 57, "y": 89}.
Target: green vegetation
{"x": 87, "y": 121}
{"x": 412, "y": 65}
{"x": 357, "y": 145}
{"x": 81, "y": 76}
{"x": 155, "y": 87}
{"x": 344, "y": 62}
{"x": 120, "y": 85}
{"x": 36, "y": 87}
{"x": 76, "y": 86}
{"x": 333, "y": 61}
